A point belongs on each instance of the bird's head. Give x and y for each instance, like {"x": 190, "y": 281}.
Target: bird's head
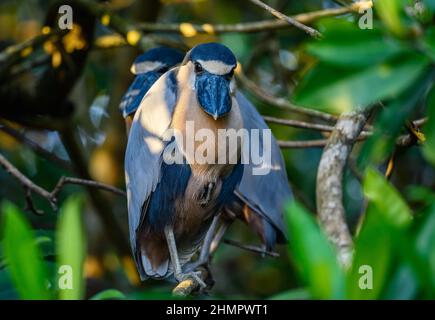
{"x": 156, "y": 60}
{"x": 212, "y": 66}
{"x": 149, "y": 66}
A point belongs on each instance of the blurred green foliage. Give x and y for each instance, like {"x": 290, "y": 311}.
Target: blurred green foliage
{"x": 23, "y": 253}
{"x": 23, "y": 256}
{"x": 313, "y": 255}
{"x": 394, "y": 249}
{"x": 71, "y": 247}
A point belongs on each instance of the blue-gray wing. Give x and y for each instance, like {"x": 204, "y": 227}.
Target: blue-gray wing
{"x": 145, "y": 146}
{"x": 265, "y": 194}
{"x": 131, "y": 100}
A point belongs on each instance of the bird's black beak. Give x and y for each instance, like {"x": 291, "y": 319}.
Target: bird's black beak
{"x": 213, "y": 93}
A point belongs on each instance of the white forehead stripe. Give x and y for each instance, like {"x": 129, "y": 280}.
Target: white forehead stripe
{"x": 146, "y": 66}
{"x": 216, "y": 66}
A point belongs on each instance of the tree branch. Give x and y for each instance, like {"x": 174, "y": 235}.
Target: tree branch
{"x": 26, "y": 182}
{"x": 404, "y": 140}
{"x": 20, "y": 137}
{"x": 329, "y": 189}
{"x": 189, "y": 29}
{"x": 250, "y": 248}
{"x": 302, "y": 144}
{"x": 299, "y": 124}
{"x": 280, "y": 103}
{"x": 186, "y": 287}
{"x": 51, "y": 197}
{"x": 90, "y": 183}
{"x": 310, "y": 31}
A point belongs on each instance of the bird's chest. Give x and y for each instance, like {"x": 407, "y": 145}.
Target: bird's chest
{"x": 211, "y": 149}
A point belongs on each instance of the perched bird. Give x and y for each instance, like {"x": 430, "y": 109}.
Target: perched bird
{"x": 171, "y": 206}
{"x": 155, "y": 189}
{"x": 147, "y": 67}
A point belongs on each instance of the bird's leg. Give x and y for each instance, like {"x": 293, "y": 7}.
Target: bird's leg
{"x": 206, "y": 248}
{"x": 178, "y": 273}
{"x": 219, "y": 235}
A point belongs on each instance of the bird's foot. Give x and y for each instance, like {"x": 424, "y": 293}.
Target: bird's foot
{"x": 205, "y": 196}
{"x": 193, "y": 275}
{"x": 189, "y": 267}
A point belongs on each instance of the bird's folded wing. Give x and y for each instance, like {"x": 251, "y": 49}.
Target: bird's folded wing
{"x": 145, "y": 147}
{"x": 265, "y": 194}
{"x": 135, "y": 93}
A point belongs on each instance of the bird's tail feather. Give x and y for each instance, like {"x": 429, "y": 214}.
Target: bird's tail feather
{"x": 165, "y": 269}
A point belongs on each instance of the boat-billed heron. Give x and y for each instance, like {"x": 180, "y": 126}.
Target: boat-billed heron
{"x": 147, "y": 68}
{"x": 171, "y": 207}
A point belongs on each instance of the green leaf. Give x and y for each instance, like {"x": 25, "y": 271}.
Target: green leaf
{"x": 403, "y": 285}
{"x": 23, "y": 256}
{"x": 429, "y": 43}
{"x": 386, "y": 199}
{"x": 390, "y": 122}
{"x": 425, "y": 247}
{"x": 383, "y": 240}
{"x": 430, "y": 4}
{"x": 392, "y": 14}
{"x": 295, "y": 294}
{"x": 416, "y": 193}
{"x": 109, "y": 294}
{"x": 338, "y": 90}
{"x": 7, "y": 290}
{"x": 429, "y": 128}
{"x": 344, "y": 44}
{"x": 313, "y": 255}
{"x": 372, "y": 258}
{"x": 45, "y": 241}
{"x": 71, "y": 250}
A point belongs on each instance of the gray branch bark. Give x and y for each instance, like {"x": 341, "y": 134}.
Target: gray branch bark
{"x": 329, "y": 190}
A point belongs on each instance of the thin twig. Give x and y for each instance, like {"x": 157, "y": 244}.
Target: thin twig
{"x": 404, "y": 140}
{"x": 303, "y": 144}
{"x": 26, "y": 182}
{"x": 419, "y": 122}
{"x": 29, "y": 203}
{"x": 90, "y": 183}
{"x": 250, "y": 248}
{"x": 52, "y": 196}
{"x": 311, "y": 31}
{"x": 299, "y": 124}
{"x": 256, "y": 26}
{"x": 280, "y": 102}
{"x": 21, "y": 137}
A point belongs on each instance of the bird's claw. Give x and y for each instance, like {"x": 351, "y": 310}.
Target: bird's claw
{"x": 194, "y": 275}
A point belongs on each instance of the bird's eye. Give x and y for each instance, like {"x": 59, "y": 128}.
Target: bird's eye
{"x": 198, "y": 67}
